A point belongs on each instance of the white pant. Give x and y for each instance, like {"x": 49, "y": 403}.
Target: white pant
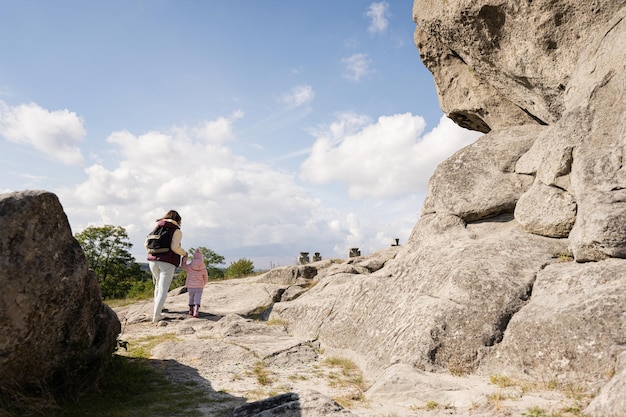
{"x": 162, "y": 275}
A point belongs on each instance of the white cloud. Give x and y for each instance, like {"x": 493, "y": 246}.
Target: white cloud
{"x": 226, "y": 200}
{"x": 219, "y": 130}
{"x": 377, "y": 12}
{"x": 241, "y": 208}
{"x": 385, "y": 159}
{"x": 357, "y": 66}
{"x": 299, "y": 95}
{"x": 55, "y": 133}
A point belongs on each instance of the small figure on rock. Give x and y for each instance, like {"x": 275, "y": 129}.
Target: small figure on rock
{"x": 197, "y": 278}
{"x": 164, "y": 255}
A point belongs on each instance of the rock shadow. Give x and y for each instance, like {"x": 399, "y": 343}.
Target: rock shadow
{"x": 209, "y": 402}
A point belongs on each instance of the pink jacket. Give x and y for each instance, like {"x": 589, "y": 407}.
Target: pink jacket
{"x": 197, "y": 275}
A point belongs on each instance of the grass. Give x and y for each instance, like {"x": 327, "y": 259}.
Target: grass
{"x": 501, "y": 381}
{"x": 459, "y": 366}
{"x": 348, "y": 375}
{"x": 535, "y": 412}
{"x": 278, "y": 322}
{"x": 578, "y": 396}
{"x": 142, "y": 348}
{"x": 134, "y": 388}
{"x": 261, "y": 373}
{"x": 137, "y": 387}
{"x": 563, "y": 257}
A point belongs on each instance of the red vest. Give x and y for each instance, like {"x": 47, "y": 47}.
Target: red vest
{"x": 169, "y": 256}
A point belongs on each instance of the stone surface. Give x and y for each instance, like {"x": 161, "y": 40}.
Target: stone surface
{"x": 547, "y": 211}
{"x": 611, "y": 400}
{"x": 54, "y": 327}
{"x": 469, "y": 101}
{"x": 294, "y": 274}
{"x": 573, "y": 327}
{"x": 480, "y": 181}
{"x": 223, "y": 353}
{"x": 525, "y": 50}
{"x": 450, "y": 293}
{"x": 480, "y": 286}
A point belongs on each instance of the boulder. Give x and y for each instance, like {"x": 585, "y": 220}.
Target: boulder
{"x": 55, "y": 331}
{"x": 293, "y": 274}
{"x": 527, "y": 51}
{"x": 547, "y": 211}
{"x": 469, "y": 101}
{"x": 480, "y": 181}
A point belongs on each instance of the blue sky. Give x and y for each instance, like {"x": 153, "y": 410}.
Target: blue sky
{"x": 273, "y": 127}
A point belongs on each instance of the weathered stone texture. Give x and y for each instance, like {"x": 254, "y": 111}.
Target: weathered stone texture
{"x": 54, "y": 327}
{"x": 547, "y": 211}
{"x": 480, "y": 181}
{"x": 450, "y": 294}
{"x": 573, "y": 325}
{"x": 481, "y": 285}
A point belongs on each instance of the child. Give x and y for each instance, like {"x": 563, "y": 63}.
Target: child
{"x": 197, "y": 278}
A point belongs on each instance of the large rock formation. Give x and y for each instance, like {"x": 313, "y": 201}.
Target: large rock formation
{"x": 516, "y": 264}
{"x": 55, "y": 331}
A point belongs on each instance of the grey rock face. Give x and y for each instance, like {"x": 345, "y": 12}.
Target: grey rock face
{"x": 547, "y": 211}
{"x": 526, "y": 51}
{"x": 480, "y": 181}
{"x": 54, "y": 327}
{"x": 450, "y": 294}
{"x": 611, "y": 401}
{"x": 468, "y": 100}
{"x": 481, "y": 285}
{"x": 573, "y": 325}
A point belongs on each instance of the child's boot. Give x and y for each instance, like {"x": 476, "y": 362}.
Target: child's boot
{"x": 191, "y": 309}
{"x": 195, "y": 310}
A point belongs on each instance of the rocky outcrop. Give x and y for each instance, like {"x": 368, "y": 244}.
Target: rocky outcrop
{"x": 520, "y": 54}
{"x": 449, "y": 294}
{"x": 55, "y": 331}
{"x": 517, "y": 262}
{"x": 480, "y": 180}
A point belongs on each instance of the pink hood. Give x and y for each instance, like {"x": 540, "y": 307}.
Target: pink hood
{"x": 197, "y": 262}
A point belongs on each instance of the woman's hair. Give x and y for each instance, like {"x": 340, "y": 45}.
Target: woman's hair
{"x": 173, "y": 215}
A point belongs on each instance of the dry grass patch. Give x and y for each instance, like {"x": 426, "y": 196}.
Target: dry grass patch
{"x": 433, "y": 405}
{"x": 348, "y": 378}
{"x": 142, "y": 348}
{"x": 261, "y": 373}
{"x": 579, "y": 397}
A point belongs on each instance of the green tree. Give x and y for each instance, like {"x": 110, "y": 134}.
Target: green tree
{"x": 239, "y": 268}
{"x": 107, "y": 249}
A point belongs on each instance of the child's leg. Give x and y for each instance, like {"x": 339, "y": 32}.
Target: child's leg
{"x": 198, "y": 297}
{"x": 190, "y": 292}
{"x": 192, "y": 301}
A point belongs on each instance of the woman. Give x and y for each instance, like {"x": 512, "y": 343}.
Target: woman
{"x": 162, "y": 265}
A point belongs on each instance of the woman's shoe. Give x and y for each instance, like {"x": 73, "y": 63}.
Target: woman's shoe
{"x": 158, "y": 318}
